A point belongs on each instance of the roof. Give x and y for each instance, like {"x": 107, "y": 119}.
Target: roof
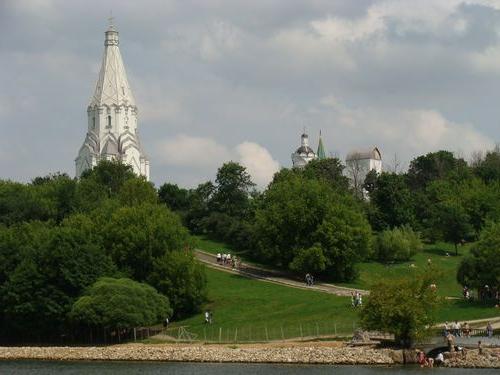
{"x": 373, "y": 153}
{"x": 112, "y": 86}
{"x": 321, "y": 150}
{"x": 304, "y": 150}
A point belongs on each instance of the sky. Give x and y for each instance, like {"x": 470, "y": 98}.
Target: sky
{"x": 219, "y": 80}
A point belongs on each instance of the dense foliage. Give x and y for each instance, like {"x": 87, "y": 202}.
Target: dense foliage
{"x": 405, "y": 308}
{"x": 482, "y": 267}
{"x": 120, "y": 304}
{"x": 397, "y": 244}
{"x": 306, "y": 218}
{"x": 59, "y": 235}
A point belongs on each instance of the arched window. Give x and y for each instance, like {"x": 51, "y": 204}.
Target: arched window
{"x": 109, "y": 121}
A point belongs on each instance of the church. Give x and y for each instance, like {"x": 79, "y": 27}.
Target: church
{"x": 112, "y": 132}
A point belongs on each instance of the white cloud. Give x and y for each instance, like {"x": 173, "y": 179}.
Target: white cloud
{"x": 205, "y": 153}
{"x": 258, "y": 161}
{"x": 406, "y": 132}
{"x": 487, "y": 61}
{"x": 220, "y": 37}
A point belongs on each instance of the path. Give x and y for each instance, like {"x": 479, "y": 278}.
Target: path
{"x": 273, "y": 276}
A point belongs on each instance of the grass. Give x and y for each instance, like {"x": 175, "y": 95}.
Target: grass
{"x": 446, "y": 267}
{"x": 251, "y": 310}
{"x": 254, "y": 306}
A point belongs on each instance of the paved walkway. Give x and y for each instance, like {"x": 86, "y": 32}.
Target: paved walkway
{"x": 273, "y": 276}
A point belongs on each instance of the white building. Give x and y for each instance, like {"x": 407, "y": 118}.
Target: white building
{"x": 112, "y": 116}
{"x": 359, "y": 163}
{"x": 304, "y": 153}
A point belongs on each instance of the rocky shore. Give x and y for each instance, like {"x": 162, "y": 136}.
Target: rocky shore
{"x": 300, "y": 353}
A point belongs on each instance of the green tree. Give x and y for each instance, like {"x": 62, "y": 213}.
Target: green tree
{"x": 180, "y": 277}
{"x": 233, "y": 184}
{"x": 488, "y": 169}
{"x": 175, "y": 198}
{"x": 434, "y": 166}
{"x": 120, "y": 304}
{"x": 404, "y": 307}
{"x": 310, "y": 260}
{"x": 331, "y": 170}
{"x": 392, "y": 201}
{"x": 452, "y": 221}
{"x": 136, "y": 236}
{"x": 298, "y": 213}
{"x": 482, "y": 266}
{"x": 397, "y": 244}
{"x": 137, "y": 191}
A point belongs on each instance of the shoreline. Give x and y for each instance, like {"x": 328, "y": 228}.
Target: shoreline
{"x": 326, "y": 353}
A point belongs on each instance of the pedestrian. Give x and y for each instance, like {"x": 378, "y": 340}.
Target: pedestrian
{"x": 210, "y": 317}
{"x": 360, "y": 300}
{"x": 446, "y": 329}
{"x": 308, "y": 279}
{"x": 207, "y": 317}
{"x": 165, "y": 323}
{"x": 489, "y": 330}
{"x": 219, "y": 258}
{"x": 439, "y": 359}
{"x": 480, "y": 347}
{"x": 353, "y": 300}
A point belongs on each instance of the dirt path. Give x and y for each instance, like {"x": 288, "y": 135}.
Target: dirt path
{"x": 274, "y": 276}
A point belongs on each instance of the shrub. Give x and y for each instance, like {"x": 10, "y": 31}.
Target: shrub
{"x": 397, "y": 244}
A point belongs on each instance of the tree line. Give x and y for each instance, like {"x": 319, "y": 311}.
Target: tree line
{"x": 99, "y": 252}
{"x": 314, "y": 220}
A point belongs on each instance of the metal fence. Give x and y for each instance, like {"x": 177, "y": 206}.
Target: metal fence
{"x": 258, "y": 333}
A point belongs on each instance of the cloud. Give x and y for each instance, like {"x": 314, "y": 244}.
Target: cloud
{"x": 258, "y": 161}
{"x": 197, "y": 153}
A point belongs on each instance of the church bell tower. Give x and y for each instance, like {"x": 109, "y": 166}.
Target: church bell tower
{"x": 112, "y": 132}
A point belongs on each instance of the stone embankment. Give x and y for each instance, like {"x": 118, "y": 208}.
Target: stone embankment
{"x": 312, "y": 353}
{"x": 300, "y": 353}
{"x": 489, "y": 358}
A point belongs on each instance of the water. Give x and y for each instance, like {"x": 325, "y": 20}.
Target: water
{"x": 132, "y": 368}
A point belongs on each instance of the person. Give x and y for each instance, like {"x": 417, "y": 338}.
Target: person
{"x": 219, "y": 258}
{"x": 466, "y": 329}
{"x": 165, "y": 323}
{"x": 446, "y": 329}
{"x": 210, "y": 317}
{"x": 489, "y": 330}
{"x": 353, "y": 300}
{"x": 360, "y": 300}
{"x": 228, "y": 259}
{"x": 480, "y": 347}
{"x": 429, "y": 262}
{"x": 422, "y": 360}
{"x": 311, "y": 279}
{"x": 439, "y": 359}
{"x": 207, "y": 317}
{"x": 308, "y": 279}
{"x": 224, "y": 257}
{"x": 451, "y": 342}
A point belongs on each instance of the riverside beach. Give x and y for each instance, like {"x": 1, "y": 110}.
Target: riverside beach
{"x": 328, "y": 353}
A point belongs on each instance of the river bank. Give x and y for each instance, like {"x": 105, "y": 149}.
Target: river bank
{"x": 335, "y": 353}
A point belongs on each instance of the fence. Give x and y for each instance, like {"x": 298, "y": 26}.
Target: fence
{"x": 259, "y": 332}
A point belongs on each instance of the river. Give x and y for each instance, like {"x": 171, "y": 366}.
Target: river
{"x": 153, "y": 368}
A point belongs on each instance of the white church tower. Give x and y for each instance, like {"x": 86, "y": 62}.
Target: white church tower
{"x": 112, "y": 116}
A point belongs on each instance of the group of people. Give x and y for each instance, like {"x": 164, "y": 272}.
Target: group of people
{"x": 456, "y": 329}
{"x": 356, "y": 299}
{"x": 228, "y": 260}
{"x": 463, "y": 330}
{"x": 309, "y": 279}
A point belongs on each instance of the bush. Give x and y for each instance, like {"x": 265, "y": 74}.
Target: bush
{"x": 309, "y": 260}
{"x": 120, "y": 303}
{"x": 397, "y": 244}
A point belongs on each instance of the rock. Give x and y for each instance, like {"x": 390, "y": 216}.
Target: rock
{"x": 397, "y": 356}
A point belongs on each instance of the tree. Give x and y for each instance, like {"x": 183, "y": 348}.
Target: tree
{"x": 393, "y": 202}
{"x": 330, "y": 170}
{"x": 452, "y": 222}
{"x": 310, "y": 260}
{"x": 482, "y": 266}
{"x": 370, "y": 182}
{"x": 233, "y": 184}
{"x": 404, "y": 307}
{"x": 488, "y": 168}
{"x": 175, "y": 198}
{"x": 136, "y": 236}
{"x": 397, "y": 244}
{"x": 299, "y": 213}
{"x": 179, "y": 276}
{"x": 53, "y": 269}
{"x": 120, "y": 304}
{"x": 137, "y": 191}
{"x": 434, "y": 166}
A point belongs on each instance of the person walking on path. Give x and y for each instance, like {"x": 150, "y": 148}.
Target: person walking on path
{"x": 489, "y": 330}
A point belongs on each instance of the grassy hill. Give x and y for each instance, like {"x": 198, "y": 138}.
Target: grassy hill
{"x": 249, "y": 309}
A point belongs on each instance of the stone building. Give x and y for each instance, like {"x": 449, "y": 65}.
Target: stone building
{"x": 304, "y": 154}
{"x": 112, "y": 116}
{"x": 359, "y": 163}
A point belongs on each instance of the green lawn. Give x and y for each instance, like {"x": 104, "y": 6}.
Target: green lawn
{"x": 445, "y": 266}
{"x": 252, "y": 306}
{"x": 252, "y": 310}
